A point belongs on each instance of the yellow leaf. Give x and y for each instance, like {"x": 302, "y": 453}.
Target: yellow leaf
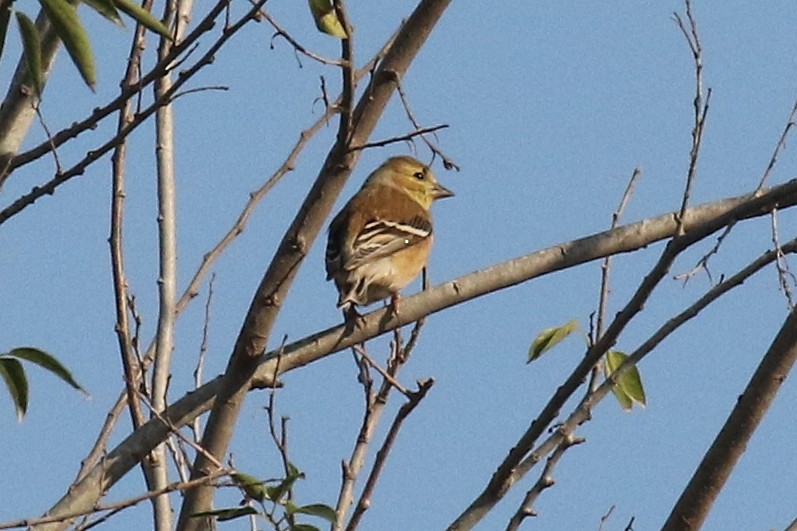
{"x": 326, "y": 19}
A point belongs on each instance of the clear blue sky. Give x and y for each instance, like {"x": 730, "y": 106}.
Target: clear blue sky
{"x": 551, "y": 106}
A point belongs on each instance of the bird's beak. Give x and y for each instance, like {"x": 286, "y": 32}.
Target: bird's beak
{"x": 440, "y": 191}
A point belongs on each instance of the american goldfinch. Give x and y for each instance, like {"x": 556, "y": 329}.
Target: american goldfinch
{"x": 380, "y": 241}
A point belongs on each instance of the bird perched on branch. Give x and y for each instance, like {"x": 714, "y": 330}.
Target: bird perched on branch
{"x": 380, "y": 241}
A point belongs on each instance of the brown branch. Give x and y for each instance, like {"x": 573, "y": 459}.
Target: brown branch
{"x": 700, "y": 107}
{"x": 603, "y": 298}
{"x": 374, "y": 407}
{"x": 19, "y": 104}
{"x": 400, "y": 138}
{"x": 281, "y": 32}
{"x": 274, "y": 286}
{"x": 127, "y": 454}
{"x": 364, "y": 502}
{"x": 785, "y": 276}
{"x": 350, "y": 469}
{"x": 695, "y": 502}
{"x": 203, "y": 348}
{"x": 545, "y": 481}
{"x": 133, "y": 374}
{"x": 436, "y": 151}
{"x": 779, "y": 147}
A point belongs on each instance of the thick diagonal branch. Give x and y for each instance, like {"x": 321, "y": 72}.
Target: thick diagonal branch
{"x": 698, "y": 497}
{"x": 274, "y": 286}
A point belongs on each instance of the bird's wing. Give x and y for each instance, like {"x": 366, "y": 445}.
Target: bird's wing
{"x": 374, "y": 224}
{"x": 382, "y": 237}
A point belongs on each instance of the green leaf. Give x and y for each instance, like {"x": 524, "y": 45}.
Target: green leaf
{"x": 33, "y": 50}
{"x": 252, "y": 487}
{"x": 143, "y": 17}
{"x": 13, "y": 374}
{"x": 5, "y": 17}
{"x": 67, "y": 25}
{"x": 106, "y": 9}
{"x": 48, "y": 362}
{"x": 629, "y": 388}
{"x": 314, "y": 509}
{"x": 294, "y": 473}
{"x": 276, "y": 493}
{"x": 549, "y": 338}
{"x": 231, "y": 513}
{"x": 326, "y": 19}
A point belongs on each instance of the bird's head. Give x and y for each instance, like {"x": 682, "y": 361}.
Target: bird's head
{"x": 412, "y": 177}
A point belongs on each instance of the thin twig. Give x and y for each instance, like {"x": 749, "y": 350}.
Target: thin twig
{"x": 781, "y": 145}
{"x": 209, "y": 88}
{"x": 282, "y": 32}
{"x": 56, "y": 158}
{"x": 400, "y": 138}
{"x": 100, "y": 444}
{"x": 700, "y": 107}
{"x": 414, "y": 398}
{"x": 605, "y": 518}
{"x": 436, "y": 151}
{"x": 702, "y": 264}
{"x": 349, "y": 80}
{"x": 545, "y": 481}
{"x": 203, "y": 349}
{"x": 785, "y": 276}
{"x": 385, "y": 374}
{"x": 603, "y": 299}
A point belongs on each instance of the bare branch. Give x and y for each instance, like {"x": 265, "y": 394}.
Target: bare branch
{"x": 167, "y": 264}
{"x": 281, "y": 32}
{"x": 701, "y": 108}
{"x": 694, "y": 504}
{"x": 436, "y": 151}
{"x": 203, "y": 348}
{"x": 785, "y": 277}
{"x": 401, "y": 138}
{"x": 364, "y": 502}
{"x": 603, "y": 299}
{"x": 781, "y": 145}
{"x": 545, "y": 481}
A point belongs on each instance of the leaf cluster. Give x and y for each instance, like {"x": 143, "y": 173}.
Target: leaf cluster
{"x": 13, "y": 374}
{"x": 274, "y": 501}
{"x": 63, "y": 16}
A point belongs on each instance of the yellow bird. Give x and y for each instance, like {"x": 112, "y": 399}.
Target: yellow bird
{"x": 380, "y": 241}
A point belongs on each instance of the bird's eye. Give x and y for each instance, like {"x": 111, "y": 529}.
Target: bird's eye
{"x": 419, "y": 175}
